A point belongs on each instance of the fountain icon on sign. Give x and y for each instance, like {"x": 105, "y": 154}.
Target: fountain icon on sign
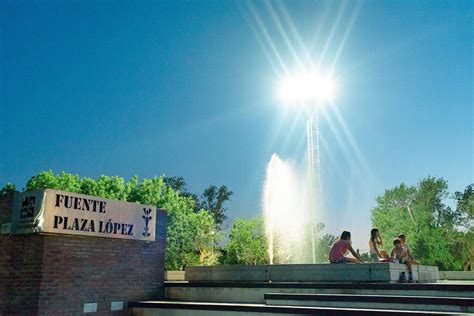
{"x": 147, "y": 218}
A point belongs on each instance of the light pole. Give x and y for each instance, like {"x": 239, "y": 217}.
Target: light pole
{"x": 309, "y": 91}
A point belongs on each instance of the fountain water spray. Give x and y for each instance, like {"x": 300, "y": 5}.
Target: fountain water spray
{"x": 286, "y": 213}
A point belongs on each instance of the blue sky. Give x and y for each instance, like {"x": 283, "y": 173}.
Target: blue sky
{"x": 187, "y": 88}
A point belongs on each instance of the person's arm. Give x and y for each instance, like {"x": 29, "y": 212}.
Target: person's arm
{"x": 392, "y": 254}
{"x": 380, "y": 240}
{"x": 376, "y": 248}
{"x": 409, "y": 254}
{"x": 354, "y": 253}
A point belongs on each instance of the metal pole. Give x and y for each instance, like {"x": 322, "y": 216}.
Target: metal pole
{"x": 312, "y": 204}
{"x": 318, "y": 182}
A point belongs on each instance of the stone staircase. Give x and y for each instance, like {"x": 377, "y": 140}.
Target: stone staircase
{"x": 221, "y": 292}
{"x": 315, "y": 299}
{"x": 387, "y": 302}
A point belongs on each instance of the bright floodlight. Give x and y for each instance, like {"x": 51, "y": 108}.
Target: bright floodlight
{"x": 305, "y": 88}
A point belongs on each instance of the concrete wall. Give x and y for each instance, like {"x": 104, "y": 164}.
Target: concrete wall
{"x": 367, "y": 272}
{"x": 58, "y": 274}
{"x": 456, "y": 275}
{"x": 174, "y": 276}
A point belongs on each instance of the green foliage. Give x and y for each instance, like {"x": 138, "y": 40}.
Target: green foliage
{"x": 213, "y": 200}
{"x": 247, "y": 243}
{"x": 365, "y": 256}
{"x": 323, "y": 245}
{"x": 176, "y": 183}
{"x": 9, "y": 188}
{"x": 190, "y": 235}
{"x": 465, "y": 206}
{"x": 464, "y": 241}
{"x": 431, "y": 227}
{"x": 105, "y": 186}
{"x": 179, "y": 184}
{"x": 47, "y": 180}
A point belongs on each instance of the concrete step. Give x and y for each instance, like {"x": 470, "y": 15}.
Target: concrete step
{"x": 253, "y": 292}
{"x": 164, "y": 308}
{"x": 424, "y": 303}
{"x": 365, "y": 272}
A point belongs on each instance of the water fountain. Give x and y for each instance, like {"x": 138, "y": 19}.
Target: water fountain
{"x": 286, "y": 213}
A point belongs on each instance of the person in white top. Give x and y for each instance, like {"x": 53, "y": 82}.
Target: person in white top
{"x": 375, "y": 242}
{"x": 400, "y": 255}
{"x": 403, "y": 241}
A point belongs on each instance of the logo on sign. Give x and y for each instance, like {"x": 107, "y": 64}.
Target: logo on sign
{"x": 27, "y": 207}
{"x": 147, "y": 217}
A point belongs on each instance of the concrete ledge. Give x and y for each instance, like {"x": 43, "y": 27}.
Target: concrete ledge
{"x": 237, "y": 273}
{"x": 452, "y": 304}
{"x": 468, "y": 288}
{"x": 320, "y": 285}
{"x": 191, "y": 308}
{"x": 367, "y": 272}
{"x": 316, "y": 272}
{"x": 253, "y": 292}
{"x": 456, "y": 275}
{"x": 174, "y": 276}
{"x": 426, "y": 273}
{"x": 464, "y": 301}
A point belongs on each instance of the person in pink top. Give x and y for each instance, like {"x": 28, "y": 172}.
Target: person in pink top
{"x": 339, "y": 249}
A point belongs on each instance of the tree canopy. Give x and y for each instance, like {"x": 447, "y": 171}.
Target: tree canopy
{"x": 434, "y": 230}
{"x": 213, "y": 199}
{"x": 247, "y": 243}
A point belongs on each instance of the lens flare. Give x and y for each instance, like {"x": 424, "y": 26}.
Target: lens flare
{"x": 302, "y": 88}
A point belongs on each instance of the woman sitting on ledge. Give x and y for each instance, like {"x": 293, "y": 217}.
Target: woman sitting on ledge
{"x": 375, "y": 242}
{"x": 339, "y": 249}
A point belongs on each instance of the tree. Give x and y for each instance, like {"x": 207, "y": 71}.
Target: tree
{"x": 213, "y": 200}
{"x": 323, "y": 245}
{"x": 47, "y": 180}
{"x": 247, "y": 243}
{"x": 464, "y": 240}
{"x": 176, "y": 183}
{"x": 465, "y": 206}
{"x": 190, "y": 235}
{"x": 9, "y": 188}
{"x": 391, "y": 215}
{"x": 419, "y": 213}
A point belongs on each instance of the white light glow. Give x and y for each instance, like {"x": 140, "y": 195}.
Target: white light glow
{"x": 307, "y": 87}
{"x": 286, "y": 213}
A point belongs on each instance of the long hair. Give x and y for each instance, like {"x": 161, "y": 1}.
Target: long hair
{"x": 373, "y": 233}
{"x": 345, "y": 235}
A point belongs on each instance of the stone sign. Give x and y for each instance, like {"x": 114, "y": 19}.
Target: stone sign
{"x": 59, "y": 212}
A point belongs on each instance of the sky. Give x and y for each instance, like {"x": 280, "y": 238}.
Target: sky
{"x": 189, "y": 88}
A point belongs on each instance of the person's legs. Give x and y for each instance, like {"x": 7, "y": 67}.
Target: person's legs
{"x": 350, "y": 260}
{"x": 410, "y": 271}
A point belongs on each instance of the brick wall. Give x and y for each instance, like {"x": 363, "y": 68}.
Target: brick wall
{"x": 58, "y": 274}
{"x": 23, "y": 274}
{"x": 6, "y": 202}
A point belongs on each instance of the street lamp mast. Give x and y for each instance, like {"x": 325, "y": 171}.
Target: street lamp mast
{"x": 314, "y": 175}
{"x": 309, "y": 90}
